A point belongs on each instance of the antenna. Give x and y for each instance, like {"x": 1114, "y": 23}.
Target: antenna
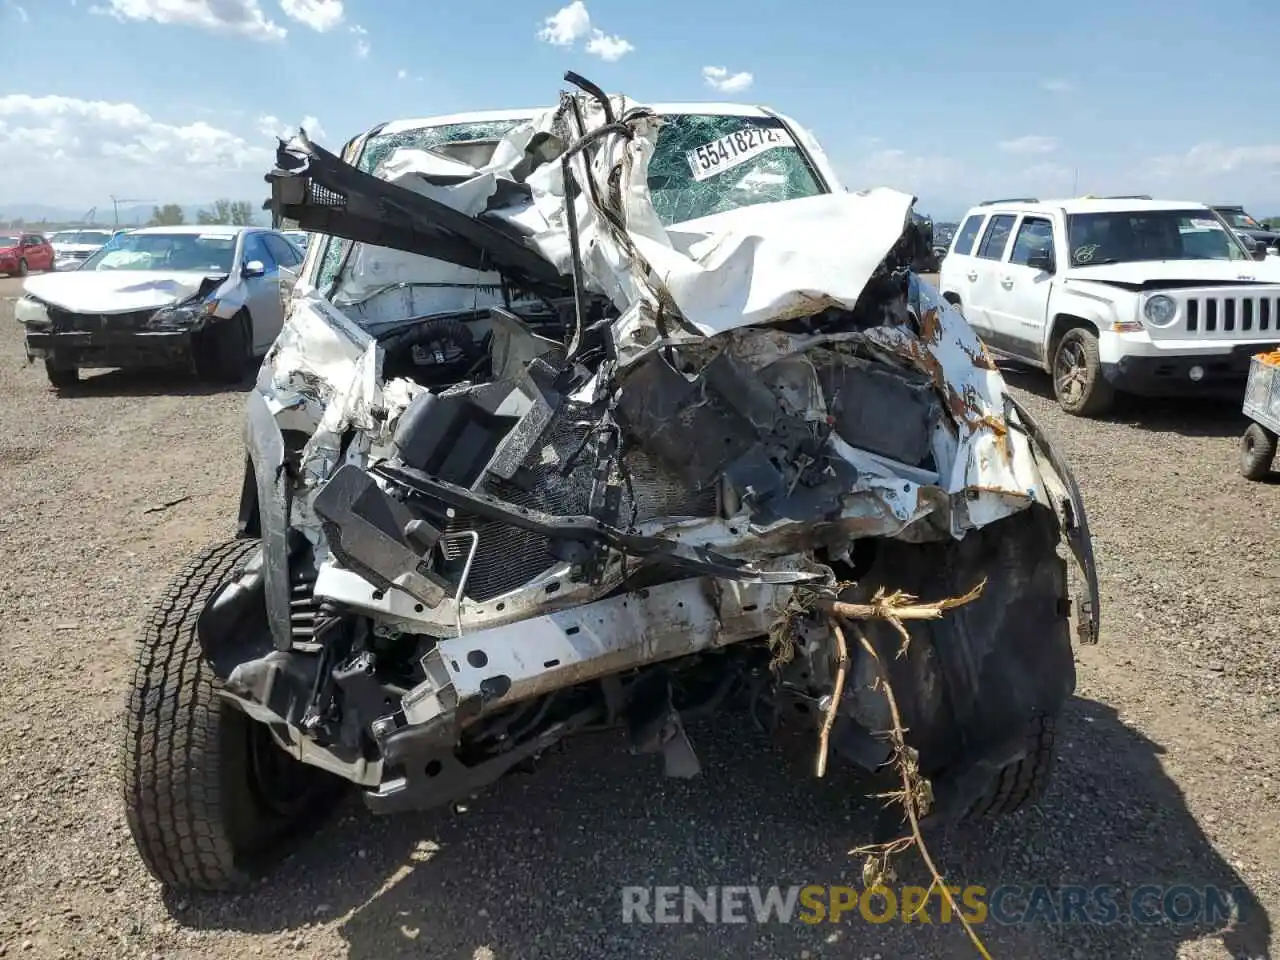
{"x": 115, "y": 207}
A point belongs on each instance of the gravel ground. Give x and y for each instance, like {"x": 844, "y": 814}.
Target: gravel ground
{"x": 1170, "y": 769}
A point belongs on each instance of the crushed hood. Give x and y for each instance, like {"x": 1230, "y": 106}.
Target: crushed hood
{"x": 115, "y": 291}
{"x": 1152, "y": 273}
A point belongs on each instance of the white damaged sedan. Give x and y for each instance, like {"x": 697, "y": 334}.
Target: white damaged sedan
{"x": 597, "y": 416}
{"x": 208, "y": 297}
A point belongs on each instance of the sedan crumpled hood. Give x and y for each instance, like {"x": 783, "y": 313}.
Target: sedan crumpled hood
{"x": 115, "y": 291}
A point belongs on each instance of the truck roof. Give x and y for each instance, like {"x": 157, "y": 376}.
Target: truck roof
{"x": 1098, "y": 205}
{"x": 528, "y": 113}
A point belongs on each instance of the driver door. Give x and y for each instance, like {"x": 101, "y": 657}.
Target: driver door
{"x": 262, "y": 293}
{"x": 1020, "y": 303}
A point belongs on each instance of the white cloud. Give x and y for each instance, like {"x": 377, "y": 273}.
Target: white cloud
{"x": 402, "y": 74}
{"x": 313, "y": 128}
{"x": 19, "y": 11}
{"x": 719, "y": 78}
{"x": 362, "y": 45}
{"x": 608, "y": 48}
{"x": 241, "y": 17}
{"x": 272, "y": 126}
{"x": 89, "y": 149}
{"x": 1057, "y": 85}
{"x": 1216, "y": 159}
{"x": 1029, "y": 144}
{"x": 320, "y": 15}
{"x": 901, "y": 170}
{"x": 567, "y": 25}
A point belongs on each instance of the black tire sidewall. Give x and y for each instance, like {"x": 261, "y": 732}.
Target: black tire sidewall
{"x": 222, "y": 349}
{"x": 1097, "y": 394}
{"x": 22, "y": 268}
{"x": 1257, "y": 451}
{"x": 61, "y": 377}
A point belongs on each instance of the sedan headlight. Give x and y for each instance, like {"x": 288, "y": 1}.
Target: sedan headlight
{"x": 1160, "y": 310}
{"x": 31, "y": 312}
{"x": 183, "y": 316}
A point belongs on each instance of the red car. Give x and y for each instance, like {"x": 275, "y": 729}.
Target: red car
{"x": 20, "y": 253}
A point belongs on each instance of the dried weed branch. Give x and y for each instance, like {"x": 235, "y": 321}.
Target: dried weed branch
{"x": 915, "y": 794}
{"x": 829, "y": 721}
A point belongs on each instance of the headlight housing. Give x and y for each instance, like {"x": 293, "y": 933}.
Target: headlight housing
{"x": 182, "y": 316}
{"x": 31, "y": 312}
{"x": 1160, "y": 310}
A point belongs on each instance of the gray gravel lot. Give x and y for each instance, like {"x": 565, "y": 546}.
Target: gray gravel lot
{"x": 1170, "y": 764}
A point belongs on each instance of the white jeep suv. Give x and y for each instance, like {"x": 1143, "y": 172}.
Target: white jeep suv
{"x": 1151, "y": 297}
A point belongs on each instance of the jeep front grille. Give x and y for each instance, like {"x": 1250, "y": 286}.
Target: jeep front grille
{"x": 1231, "y": 313}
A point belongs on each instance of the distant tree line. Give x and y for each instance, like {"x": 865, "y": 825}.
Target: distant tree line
{"x": 238, "y": 213}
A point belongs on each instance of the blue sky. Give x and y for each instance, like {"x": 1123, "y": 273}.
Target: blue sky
{"x": 175, "y": 99}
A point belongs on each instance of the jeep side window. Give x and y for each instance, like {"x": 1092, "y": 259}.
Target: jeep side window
{"x": 997, "y": 237}
{"x": 967, "y": 234}
{"x": 1035, "y": 235}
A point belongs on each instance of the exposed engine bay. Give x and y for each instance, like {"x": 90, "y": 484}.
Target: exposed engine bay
{"x": 594, "y": 499}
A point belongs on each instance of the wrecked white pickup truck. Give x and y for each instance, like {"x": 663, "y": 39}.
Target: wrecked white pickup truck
{"x": 575, "y": 417}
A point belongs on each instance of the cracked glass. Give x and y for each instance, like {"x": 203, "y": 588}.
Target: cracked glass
{"x": 705, "y": 164}
{"x": 378, "y": 148}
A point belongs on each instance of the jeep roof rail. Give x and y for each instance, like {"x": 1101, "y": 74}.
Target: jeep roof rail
{"x": 1126, "y": 196}
{"x": 987, "y": 203}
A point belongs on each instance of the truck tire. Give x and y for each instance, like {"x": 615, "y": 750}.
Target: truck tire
{"x": 22, "y": 268}
{"x": 1024, "y": 781}
{"x": 1257, "y": 451}
{"x": 222, "y": 349}
{"x": 1078, "y": 382}
{"x": 61, "y": 378}
{"x": 210, "y": 799}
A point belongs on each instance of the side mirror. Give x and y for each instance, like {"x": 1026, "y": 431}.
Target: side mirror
{"x": 1260, "y": 250}
{"x": 254, "y": 268}
{"x": 1041, "y": 260}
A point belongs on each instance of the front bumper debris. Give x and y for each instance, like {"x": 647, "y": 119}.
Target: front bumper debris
{"x": 108, "y": 348}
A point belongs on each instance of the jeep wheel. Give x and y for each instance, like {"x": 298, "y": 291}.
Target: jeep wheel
{"x": 1078, "y": 383}
{"x": 222, "y": 349}
{"x": 60, "y": 378}
{"x": 1257, "y": 450}
{"x": 1022, "y": 782}
{"x": 209, "y": 797}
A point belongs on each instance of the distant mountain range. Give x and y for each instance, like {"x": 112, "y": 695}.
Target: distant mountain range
{"x": 130, "y": 216}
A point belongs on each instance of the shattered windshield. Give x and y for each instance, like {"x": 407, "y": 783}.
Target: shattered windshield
{"x": 707, "y": 164}
{"x": 1129, "y": 237}
{"x": 381, "y": 146}
{"x": 201, "y": 252}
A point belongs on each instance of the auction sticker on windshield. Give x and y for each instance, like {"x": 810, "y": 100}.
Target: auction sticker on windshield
{"x": 734, "y": 149}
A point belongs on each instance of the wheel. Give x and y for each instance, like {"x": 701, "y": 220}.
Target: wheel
{"x": 60, "y": 378}
{"x": 1022, "y": 782}
{"x": 22, "y": 268}
{"x": 222, "y": 349}
{"x": 210, "y": 799}
{"x": 1078, "y": 383}
{"x": 1257, "y": 450}
{"x": 957, "y": 306}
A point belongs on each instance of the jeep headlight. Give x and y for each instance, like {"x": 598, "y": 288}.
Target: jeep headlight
{"x": 31, "y": 312}
{"x": 1160, "y": 310}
